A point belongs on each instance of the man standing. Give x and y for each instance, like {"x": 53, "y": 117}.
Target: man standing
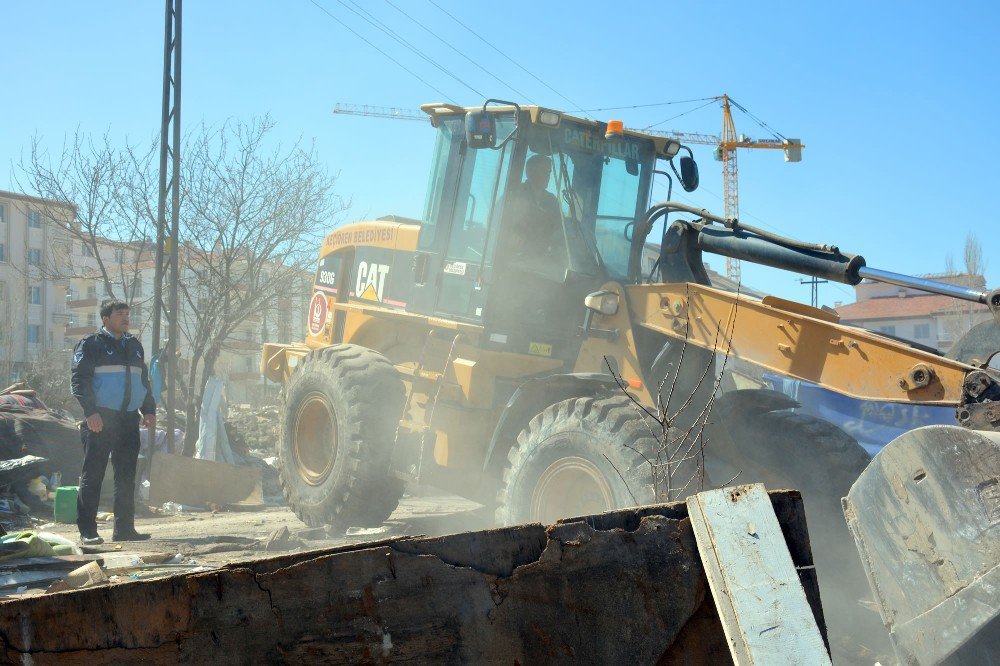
{"x": 111, "y": 381}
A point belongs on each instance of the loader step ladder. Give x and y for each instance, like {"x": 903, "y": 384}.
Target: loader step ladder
{"x": 436, "y": 380}
{"x": 757, "y": 591}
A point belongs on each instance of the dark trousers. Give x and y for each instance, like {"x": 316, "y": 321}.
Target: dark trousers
{"x": 120, "y": 440}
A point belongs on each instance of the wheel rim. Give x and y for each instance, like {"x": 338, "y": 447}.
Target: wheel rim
{"x": 315, "y": 439}
{"x": 570, "y": 486}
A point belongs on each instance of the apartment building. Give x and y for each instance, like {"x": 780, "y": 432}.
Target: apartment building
{"x": 928, "y": 319}
{"x": 33, "y": 249}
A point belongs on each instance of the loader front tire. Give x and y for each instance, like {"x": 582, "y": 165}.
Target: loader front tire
{"x": 578, "y": 457}
{"x": 340, "y": 411}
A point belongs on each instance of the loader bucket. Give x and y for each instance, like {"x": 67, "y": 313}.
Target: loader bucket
{"x": 925, "y": 516}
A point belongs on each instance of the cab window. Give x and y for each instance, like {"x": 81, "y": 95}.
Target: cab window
{"x": 446, "y": 152}
{"x": 480, "y": 196}
{"x": 616, "y": 211}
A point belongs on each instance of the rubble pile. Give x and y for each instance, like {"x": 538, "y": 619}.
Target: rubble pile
{"x": 252, "y": 427}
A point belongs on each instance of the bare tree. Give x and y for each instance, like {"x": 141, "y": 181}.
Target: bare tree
{"x": 99, "y": 185}
{"x": 963, "y": 315}
{"x": 252, "y": 219}
{"x": 685, "y": 398}
{"x": 48, "y": 373}
{"x": 12, "y": 303}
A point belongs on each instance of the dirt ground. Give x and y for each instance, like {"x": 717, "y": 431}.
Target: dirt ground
{"x": 214, "y": 539}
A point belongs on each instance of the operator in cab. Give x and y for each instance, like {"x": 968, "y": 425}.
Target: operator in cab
{"x": 533, "y": 233}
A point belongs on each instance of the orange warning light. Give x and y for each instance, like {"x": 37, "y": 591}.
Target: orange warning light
{"x": 615, "y": 129}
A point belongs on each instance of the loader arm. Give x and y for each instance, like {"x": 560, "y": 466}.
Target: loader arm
{"x": 797, "y": 340}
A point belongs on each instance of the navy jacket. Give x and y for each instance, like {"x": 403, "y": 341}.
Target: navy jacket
{"x": 100, "y": 364}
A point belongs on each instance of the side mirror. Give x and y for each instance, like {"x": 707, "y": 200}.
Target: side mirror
{"x": 689, "y": 174}
{"x": 480, "y": 129}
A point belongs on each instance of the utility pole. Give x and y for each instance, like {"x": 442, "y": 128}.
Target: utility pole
{"x": 166, "y": 237}
{"x": 814, "y": 291}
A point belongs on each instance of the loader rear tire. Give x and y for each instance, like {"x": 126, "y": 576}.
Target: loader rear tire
{"x": 340, "y": 411}
{"x": 578, "y": 457}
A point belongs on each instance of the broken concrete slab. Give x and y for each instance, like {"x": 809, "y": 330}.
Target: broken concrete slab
{"x": 198, "y": 482}
{"x": 623, "y": 587}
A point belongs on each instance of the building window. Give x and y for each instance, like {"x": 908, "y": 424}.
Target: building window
{"x": 92, "y": 320}
{"x": 3, "y": 252}
{"x": 34, "y": 219}
{"x": 136, "y": 288}
{"x": 34, "y": 257}
{"x": 3, "y": 213}
{"x": 92, "y": 291}
{"x": 35, "y": 295}
{"x": 888, "y": 330}
{"x": 922, "y": 331}
{"x": 135, "y": 313}
{"x": 119, "y": 256}
{"x": 86, "y": 250}
{"x": 34, "y": 333}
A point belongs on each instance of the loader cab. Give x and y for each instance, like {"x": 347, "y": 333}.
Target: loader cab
{"x": 514, "y": 235}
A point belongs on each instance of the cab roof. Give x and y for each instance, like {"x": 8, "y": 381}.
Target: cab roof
{"x": 437, "y": 110}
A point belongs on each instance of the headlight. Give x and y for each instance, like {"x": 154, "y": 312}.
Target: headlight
{"x": 548, "y": 118}
{"x": 602, "y": 302}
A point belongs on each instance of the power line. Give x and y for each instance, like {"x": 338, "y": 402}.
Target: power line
{"x": 646, "y": 106}
{"x": 681, "y": 114}
{"x": 366, "y": 41}
{"x": 488, "y": 43}
{"x": 371, "y": 20}
{"x": 459, "y": 52}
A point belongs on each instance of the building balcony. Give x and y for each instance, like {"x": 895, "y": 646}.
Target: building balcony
{"x": 79, "y": 330}
{"x": 82, "y": 303}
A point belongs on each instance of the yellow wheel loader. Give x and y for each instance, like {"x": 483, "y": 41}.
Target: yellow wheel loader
{"x": 546, "y": 341}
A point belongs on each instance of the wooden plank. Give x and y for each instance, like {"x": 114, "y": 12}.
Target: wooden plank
{"x": 765, "y": 615}
{"x": 197, "y": 482}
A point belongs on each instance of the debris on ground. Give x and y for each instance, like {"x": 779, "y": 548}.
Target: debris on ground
{"x": 496, "y": 595}
{"x": 253, "y": 428}
{"x": 20, "y": 469}
{"x": 282, "y": 539}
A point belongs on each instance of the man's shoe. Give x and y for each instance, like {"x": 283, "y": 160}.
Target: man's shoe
{"x": 129, "y": 535}
{"x": 91, "y": 539}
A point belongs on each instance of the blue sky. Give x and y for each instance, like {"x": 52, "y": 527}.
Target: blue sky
{"x": 895, "y": 101}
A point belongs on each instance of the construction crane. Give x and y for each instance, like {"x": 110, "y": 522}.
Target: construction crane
{"x": 725, "y": 144}
{"x": 380, "y": 112}
{"x": 725, "y": 152}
